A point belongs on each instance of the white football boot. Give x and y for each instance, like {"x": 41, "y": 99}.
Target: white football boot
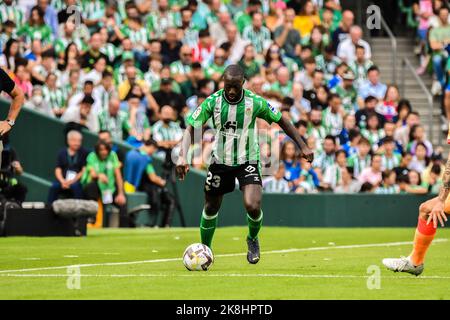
{"x": 403, "y": 264}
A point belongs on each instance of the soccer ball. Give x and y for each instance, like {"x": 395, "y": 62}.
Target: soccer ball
{"x": 198, "y": 257}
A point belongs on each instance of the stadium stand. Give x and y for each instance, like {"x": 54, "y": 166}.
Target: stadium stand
{"x": 311, "y": 60}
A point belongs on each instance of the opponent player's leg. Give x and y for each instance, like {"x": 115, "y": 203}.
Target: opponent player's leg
{"x": 422, "y": 240}
{"x": 252, "y": 194}
{"x": 208, "y": 221}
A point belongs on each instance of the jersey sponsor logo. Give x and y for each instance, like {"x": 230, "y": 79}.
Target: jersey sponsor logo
{"x": 250, "y": 169}
{"x": 196, "y": 113}
{"x": 272, "y": 108}
{"x": 230, "y": 126}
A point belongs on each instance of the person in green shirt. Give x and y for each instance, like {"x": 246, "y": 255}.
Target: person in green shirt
{"x": 243, "y": 19}
{"x": 36, "y": 29}
{"x": 248, "y": 63}
{"x": 216, "y": 69}
{"x": 283, "y": 85}
{"x": 347, "y": 92}
{"x": 102, "y": 179}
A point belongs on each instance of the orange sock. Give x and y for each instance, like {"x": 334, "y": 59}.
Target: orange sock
{"x": 422, "y": 241}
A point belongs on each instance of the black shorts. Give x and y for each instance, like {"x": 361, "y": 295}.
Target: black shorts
{"x": 221, "y": 179}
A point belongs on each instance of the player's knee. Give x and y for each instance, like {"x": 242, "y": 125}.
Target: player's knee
{"x": 253, "y": 209}
{"x": 211, "y": 209}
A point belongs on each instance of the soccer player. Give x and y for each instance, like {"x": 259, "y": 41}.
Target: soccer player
{"x": 236, "y": 152}
{"x": 7, "y": 85}
{"x": 431, "y": 213}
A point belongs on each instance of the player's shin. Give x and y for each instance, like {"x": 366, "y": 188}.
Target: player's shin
{"x": 254, "y": 225}
{"x": 208, "y": 225}
{"x": 422, "y": 241}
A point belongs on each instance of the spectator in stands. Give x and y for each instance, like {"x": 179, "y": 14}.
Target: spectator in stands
{"x": 102, "y": 180}
{"x": 346, "y": 50}
{"x": 362, "y": 115}
{"x": 372, "y": 86}
{"x": 419, "y": 160}
{"x": 402, "y": 134}
{"x": 309, "y": 181}
{"x": 257, "y": 33}
{"x": 287, "y": 37}
{"x": 167, "y": 132}
{"x": 82, "y": 117}
{"x": 348, "y": 183}
{"x": 440, "y": 44}
{"x": 307, "y": 19}
{"x": 140, "y": 174}
{"x": 372, "y": 174}
{"x": 360, "y": 65}
{"x": 70, "y": 165}
{"x": 166, "y": 96}
{"x": 38, "y": 103}
{"x": 417, "y": 136}
{"x": 402, "y": 170}
{"x": 389, "y": 158}
{"x": 342, "y": 31}
{"x": 332, "y": 176}
{"x": 291, "y": 164}
{"x": 114, "y": 120}
{"x": 332, "y": 117}
{"x": 361, "y": 159}
{"x": 277, "y": 183}
{"x": 388, "y": 107}
{"x": 388, "y": 185}
{"x": 326, "y": 157}
{"x": 413, "y": 184}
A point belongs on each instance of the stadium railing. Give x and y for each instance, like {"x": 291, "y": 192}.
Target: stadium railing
{"x": 407, "y": 66}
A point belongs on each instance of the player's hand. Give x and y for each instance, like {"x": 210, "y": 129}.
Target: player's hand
{"x": 4, "y": 128}
{"x": 437, "y": 214}
{"x": 307, "y": 154}
{"x": 182, "y": 168}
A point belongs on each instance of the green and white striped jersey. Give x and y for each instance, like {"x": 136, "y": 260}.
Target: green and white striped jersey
{"x": 358, "y": 164}
{"x": 54, "y": 97}
{"x": 388, "y": 189}
{"x": 272, "y": 185}
{"x": 170, "y": 132}
{"x": 236, "y": 140}
{"x": 12, "y": 13}
{"x": 389, "y": 163}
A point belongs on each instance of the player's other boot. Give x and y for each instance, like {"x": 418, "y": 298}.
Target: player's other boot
{"x": 253, "y": 254}
{"x": 403, "y": 264}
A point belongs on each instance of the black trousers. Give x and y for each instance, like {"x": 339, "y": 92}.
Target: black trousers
{"x": 160, "y": 199}
{"x": 17, "y": 192}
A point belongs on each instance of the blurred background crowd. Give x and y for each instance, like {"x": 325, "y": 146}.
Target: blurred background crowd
{"x": 134, "y": 70}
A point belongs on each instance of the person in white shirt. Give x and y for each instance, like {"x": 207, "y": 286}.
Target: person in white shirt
{"x": 347, "y": 48}
{"x": 276, "y": 183}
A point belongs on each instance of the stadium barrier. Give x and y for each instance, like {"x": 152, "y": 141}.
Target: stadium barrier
{"x": 37, "y": 138}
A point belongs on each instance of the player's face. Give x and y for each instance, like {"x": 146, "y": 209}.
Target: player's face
{"x": 233, "y": 88}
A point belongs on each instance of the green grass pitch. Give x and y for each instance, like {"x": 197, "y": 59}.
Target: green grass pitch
{"x": 296, "y": 263}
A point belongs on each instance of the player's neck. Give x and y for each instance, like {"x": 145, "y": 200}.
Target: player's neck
{"x": 230, "y": 101}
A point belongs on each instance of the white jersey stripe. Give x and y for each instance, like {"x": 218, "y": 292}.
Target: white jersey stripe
{"x": 248, "y": 115}
{"x": 229, "y": 138}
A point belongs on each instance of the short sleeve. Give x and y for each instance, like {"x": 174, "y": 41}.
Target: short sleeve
{"x": 150, "y": 169}
{"x": 115, "y": 159}
{"x": 60, "y": 160}
{"x": 6, "y": 83}
{"x": 200, "y": 115}
{"x": 268, "y": 112}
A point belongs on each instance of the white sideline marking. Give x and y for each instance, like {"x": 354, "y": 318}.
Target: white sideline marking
{"x": 229, "y": 275}
{"x": 355, "y": 246}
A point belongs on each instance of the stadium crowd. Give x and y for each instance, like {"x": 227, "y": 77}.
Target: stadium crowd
{"x": 134, "y": 70}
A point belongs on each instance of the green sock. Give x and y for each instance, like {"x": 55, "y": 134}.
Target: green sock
{"x": 254, "y": 226}
{"x": 208, "y": 225}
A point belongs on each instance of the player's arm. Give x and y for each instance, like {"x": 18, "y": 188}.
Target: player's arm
{"x": 182, "y": 167}
{"x": 290, "y": 130}
{"x": 437, "y": 214}
{"x": 16, "y": 104}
